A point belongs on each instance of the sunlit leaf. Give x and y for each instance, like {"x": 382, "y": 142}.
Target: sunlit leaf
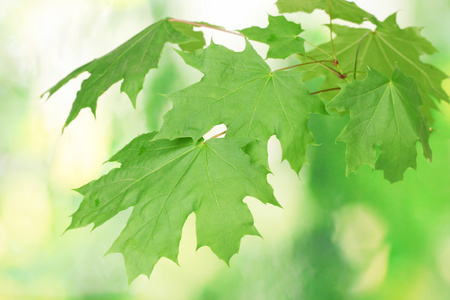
{"x": 240, "y": 91}
{"x": 281, "y": 35}
{"x": 165, "y": 181}
{"x": 131, "y": 61}
{"x": 340, "y": 9}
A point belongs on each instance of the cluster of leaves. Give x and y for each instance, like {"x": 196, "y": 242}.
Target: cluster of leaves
{"x": 167, "y": 175}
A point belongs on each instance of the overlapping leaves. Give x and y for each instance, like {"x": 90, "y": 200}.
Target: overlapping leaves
{"x": 165, "y": 181}
{"x": 240, "y": 91}
{"x": 384, "y": 113}
{"x": 388, "y": 46}
{"x": 166, "y": 176}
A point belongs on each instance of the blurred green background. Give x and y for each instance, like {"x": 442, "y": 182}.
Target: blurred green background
{"x": 336, "y": 238}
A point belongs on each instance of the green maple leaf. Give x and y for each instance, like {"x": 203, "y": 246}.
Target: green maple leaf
{"x": 383, "y": 49}
{"x": 165, "y": 181}
{"x": 240, "y": 91}
{"x": 340, "y": 9}
{"x": 281, "y": 35}
{"x": 384, "y": 113}
{"x": 131, "y": 62}
{"x": 198, "y": 41}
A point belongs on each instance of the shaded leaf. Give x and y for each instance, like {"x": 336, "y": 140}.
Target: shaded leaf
{"x": 383, "y": 49}
{"x": 384, "y": 113}
{"x": 165, "y": 181}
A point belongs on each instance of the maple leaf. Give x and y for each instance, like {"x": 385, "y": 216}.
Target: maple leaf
{"x": 165, "y": 181}
{"x": 281, "y": 35}
{"x": 198, "y": 41}
{"x": 240, "y": 91}
{"x": 131, "y": 61}
{"x": 385, "y": 48}
{"x": 340, "y": 9}
{"x": 383, "y": 112}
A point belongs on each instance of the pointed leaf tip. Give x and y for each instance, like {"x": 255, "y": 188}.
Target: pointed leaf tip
{"x": 131, "y": 61}
{"x": 281, "y": 36}
{"x": 276, "y": 103}
{"x": 340, "y": 9}
{"x": 155, "y": 180}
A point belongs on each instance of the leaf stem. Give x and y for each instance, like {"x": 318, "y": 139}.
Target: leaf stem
{"x": 326, "y": 90}
{"x": 237, "y": 33}
{"x": 206, "y": 26}
{"x": 342, "y": 73}
{"x": 357, "y": 53}
{"x": 339, "y": 74}
{"x": 217, "y": 135}
{"x": 336, "y": 62}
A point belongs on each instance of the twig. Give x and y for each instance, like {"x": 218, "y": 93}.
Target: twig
{"x": 219, "y": 134}
{"x": 206, "y": 26}
{"x": 327, "y": 90}
{"x": 236, "y": 33}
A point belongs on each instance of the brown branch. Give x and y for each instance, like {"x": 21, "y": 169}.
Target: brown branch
{"x": 206, "y": 26}
{"x": 327, "y": 90}
{"x": 217, "y": 135}
{"x": 236, "y": 33}
{"x": 339, "y": 73}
